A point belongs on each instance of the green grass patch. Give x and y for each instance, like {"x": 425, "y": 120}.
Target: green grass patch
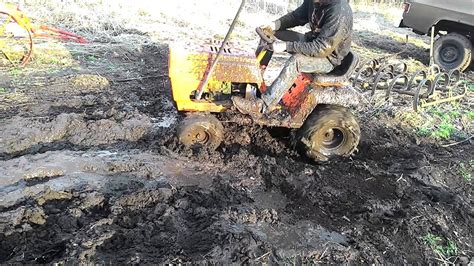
{"x": 424, "y": 132}
{"x": 465, "y": 171}
{"x": 445, "y": 116}
{"x": 441, "y": 122}
{"x": 15, "y": 72}
{"x": 470, "y": 115}
{"x": 470, "y": 87}
{"x": 439, "y": 246}
{"x": 91, "y": 58}
{"x": 444, "y": 131}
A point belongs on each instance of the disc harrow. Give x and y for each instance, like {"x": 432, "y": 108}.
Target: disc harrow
{"x": 426, "y": 87}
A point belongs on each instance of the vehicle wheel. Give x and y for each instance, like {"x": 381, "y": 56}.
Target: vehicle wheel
{"x": 453, "y": 51}
{"x": 201, "y": 130}
{"x": 328, "y": 132}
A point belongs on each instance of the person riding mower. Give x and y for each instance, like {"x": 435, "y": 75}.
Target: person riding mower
{"x": 318, "y": 51}
{"x": 311, "y": 95}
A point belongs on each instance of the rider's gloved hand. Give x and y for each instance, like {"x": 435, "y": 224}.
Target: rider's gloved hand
{"x": 279, "y": 46}
{"x": 269, "y": 28}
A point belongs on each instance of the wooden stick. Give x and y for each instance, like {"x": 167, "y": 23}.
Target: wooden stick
{"x": 456, "y": 143}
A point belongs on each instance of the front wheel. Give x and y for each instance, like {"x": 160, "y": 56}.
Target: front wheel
{"x": 201, "y": 130}
{"x": 329, "y": 131}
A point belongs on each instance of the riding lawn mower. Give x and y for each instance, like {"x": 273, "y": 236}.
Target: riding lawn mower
{"x": 205, "y": 77}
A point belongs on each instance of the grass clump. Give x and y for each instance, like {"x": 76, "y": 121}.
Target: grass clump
{"x": 11, "y": 99}
{"x": 442, "y": 122}
{"x": 439, "y": 246}
{"x": 444, "y": 131}
{"x": 15, "y": 72}
{"x": 465, "y": 171}
{"x": 470, "y": 115}
{"x": 470, "y": 87}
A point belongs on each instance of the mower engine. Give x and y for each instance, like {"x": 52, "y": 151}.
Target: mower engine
{"x": 237, "y": 73}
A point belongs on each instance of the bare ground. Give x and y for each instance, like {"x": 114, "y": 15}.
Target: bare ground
{"x": 91, "y": 172}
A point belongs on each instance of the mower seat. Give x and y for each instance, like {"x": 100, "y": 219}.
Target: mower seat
{"x": 341, "y": 73}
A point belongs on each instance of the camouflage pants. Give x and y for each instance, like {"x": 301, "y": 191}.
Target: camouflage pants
{"x": 297, "y": 63}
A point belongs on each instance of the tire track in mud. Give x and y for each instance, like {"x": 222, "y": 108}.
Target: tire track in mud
{"x": 98, "y": 180}
{"x": 383, "y": 198}
{"x": 23, "y": 136}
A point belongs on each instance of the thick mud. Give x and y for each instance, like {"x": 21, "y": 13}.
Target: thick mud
{"x": 91, "y": 172}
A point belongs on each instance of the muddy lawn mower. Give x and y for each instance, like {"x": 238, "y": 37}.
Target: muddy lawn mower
{"x": 204, "y": 78}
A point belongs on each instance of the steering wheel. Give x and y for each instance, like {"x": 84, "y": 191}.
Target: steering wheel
{"x": 268, "y": 38}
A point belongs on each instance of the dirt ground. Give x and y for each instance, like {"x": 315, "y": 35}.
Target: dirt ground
{"x": 91, "y": 171}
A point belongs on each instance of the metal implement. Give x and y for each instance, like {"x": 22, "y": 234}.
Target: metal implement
{"x": 208, "y": 73}
{"x": 17, "y": 50}
{"x": 17, "y": 34}
{"x": 425, "y": 87}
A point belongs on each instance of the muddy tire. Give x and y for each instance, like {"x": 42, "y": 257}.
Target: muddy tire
{"x": 453, "y": 51}
{"x": 201, "y": 130}
{"x": 329, "y": 131}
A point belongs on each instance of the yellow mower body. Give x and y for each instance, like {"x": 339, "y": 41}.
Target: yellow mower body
{"x": 188, "y": 66}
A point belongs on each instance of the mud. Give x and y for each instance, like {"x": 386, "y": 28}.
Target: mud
{"x": 91, "y": 173}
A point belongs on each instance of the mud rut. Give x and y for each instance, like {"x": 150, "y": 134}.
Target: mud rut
{"x": 94, "y": 174}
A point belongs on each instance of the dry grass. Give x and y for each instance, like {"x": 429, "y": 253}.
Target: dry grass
{"x": 11, "y": 98}
{"x": 98, "y": 19}
{"x": 103, "y": 20}
{"x": 392, "y": 13}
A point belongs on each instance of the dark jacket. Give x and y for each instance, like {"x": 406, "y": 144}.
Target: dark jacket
{"x": 331, "y": 29}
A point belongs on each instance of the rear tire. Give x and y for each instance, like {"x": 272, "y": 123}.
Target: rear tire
{"x": 329, "y": 131}
{"x": 201, "y": 130}
{"x": 453, "y": 51}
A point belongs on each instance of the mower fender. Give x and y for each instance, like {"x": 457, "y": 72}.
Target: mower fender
{"x": 345, "y": 96}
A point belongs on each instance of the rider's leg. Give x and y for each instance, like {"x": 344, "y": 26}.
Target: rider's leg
{"x": 289, "y": 36}
{"x": 296, "y": 64}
